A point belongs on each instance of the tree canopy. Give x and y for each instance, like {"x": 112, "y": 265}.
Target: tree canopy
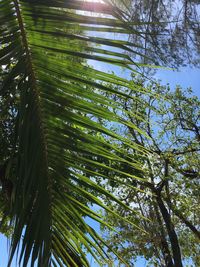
{"x": 168, "y": 30}
{"x": 169, "y": 196}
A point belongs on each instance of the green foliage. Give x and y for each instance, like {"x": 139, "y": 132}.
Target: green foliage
{"x": 51, "y": 100}
{"x": 171, "y": 170}
{"x": 5, "y": 227}
{"x": 168, "y": 30}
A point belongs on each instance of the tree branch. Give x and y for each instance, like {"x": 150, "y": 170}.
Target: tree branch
{"x": 183, "y": 219}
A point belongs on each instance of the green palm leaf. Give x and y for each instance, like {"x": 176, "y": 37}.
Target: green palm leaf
{"x": 44, "y": 48}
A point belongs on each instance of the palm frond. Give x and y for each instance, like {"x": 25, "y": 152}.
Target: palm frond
{"x": 45, "y": 46}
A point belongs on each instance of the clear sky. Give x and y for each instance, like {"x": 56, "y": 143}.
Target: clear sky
{"x": 186, "y": 77}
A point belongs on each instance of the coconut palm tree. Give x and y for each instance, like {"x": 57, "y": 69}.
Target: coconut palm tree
{"x": 45, "y": 45}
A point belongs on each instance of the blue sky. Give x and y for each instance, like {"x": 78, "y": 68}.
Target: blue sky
{"x": 186, "y": 77}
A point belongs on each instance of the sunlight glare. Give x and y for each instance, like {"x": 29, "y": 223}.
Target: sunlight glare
{"x": 95, "y": 1}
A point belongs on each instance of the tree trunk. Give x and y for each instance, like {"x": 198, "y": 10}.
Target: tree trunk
{"x": 171, "y": 232}
{"x": 164, "y": 245}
